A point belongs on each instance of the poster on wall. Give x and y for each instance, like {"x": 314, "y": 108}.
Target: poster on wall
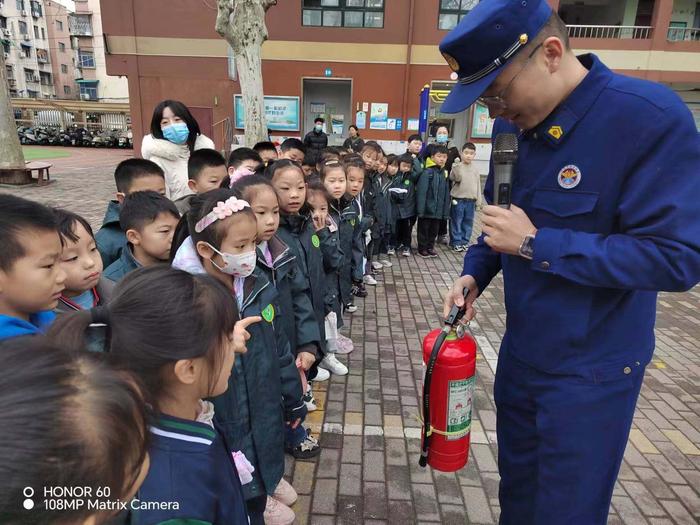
{"x": 378, "y": 115}
{"x": 412, "y": 124}
{"x": 482, "y": 125}
{"x": 337, "y": 124}
{"x": 361, "y": 120}
{"x": 282, "y": 113}
{"x": 391, "y": 124}
{"x": 318, "y": 107}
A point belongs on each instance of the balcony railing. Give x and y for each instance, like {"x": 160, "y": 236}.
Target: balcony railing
{"x": 683, "y": 34}
{"x": 615, "y": 32}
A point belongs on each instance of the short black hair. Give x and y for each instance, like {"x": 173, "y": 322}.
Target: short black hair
{"x": 179, "y": 110}
{"x": 131, "y": 169}
{"x": 67, "y": 222}
{"x": 406, "y": 158}
{"x": 17, "y": 216}
{"x": 415, "y": 136}
{"x": 203, "y": 158}
{"x": 265, "y": 145}
{"x": 292, "y": 143}
{"x": 392, "y": 159}
{"x": 353, "y": 161}
{"x": 554, "y": 26}
{"x": 142, "y": 208}
{"x": 469, "y": 145}
{"x": 310, "y": 160}
{"x": 439, "y": 148}
{"x": 239, "y": 155}
{"x": 319, "y": 119}
{"x": 373, "y": 146}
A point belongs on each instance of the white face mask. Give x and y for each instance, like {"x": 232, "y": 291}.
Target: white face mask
{"x": 239, "y": 265}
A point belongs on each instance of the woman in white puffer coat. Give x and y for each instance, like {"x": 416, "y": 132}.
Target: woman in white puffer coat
{"x": 174, "y": 135}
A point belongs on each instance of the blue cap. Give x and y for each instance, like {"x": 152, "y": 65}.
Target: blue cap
{"x": 485, "y": 41}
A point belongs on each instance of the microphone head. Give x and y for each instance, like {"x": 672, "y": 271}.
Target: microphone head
{"x": 505, "y": 147}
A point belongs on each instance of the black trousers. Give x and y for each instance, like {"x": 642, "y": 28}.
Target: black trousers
{"x": 427, "y": 233}
{"x": 404, "y": 230}
{"x": 443, "y": 228}
{"x": 256, "y": 509}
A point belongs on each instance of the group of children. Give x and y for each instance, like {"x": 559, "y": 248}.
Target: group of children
{"x": 263, "y": 260}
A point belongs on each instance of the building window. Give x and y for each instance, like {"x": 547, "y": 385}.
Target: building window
{"x": 66, "y": 90}
{"x": 62, "y": 47}
{"x": 10, "y": 72}
{"x": 22, "y": 28}
{"x": 3, "y": 22}
{"x": 32, "y": 94}
{"x": 36, "y": 32}
{"x": 6, "y": 46}
{"x": 452, "y": 12}
{"x": 36, "y": 9}
{"x": 20, "y": 5}
{"x": 29, "y": 75}
{"x": 43, "y": 33}
{"x": 80, "y": 25}
{"x": 64, "y": 68}
{"x": 26, "y": 51}
{"x": 88, "y": 90}
{"x": 86, "y": 59}
{"x": 59, "y": 25}
{"x": 343, "y": 13}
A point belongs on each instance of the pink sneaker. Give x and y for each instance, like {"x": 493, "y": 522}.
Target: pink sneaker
{"x": 344, "y": 345}
{"x": 277, "y": 513}
{"x": 285, "y": 493}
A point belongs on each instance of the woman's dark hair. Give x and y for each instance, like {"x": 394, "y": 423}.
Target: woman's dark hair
{"x": 157, "y": 316}
{"x": 68, "y": 223}
{"x": 200, "y": 206}
{"x": 180, "y": 110}
{"x": 280, "y": 165}
{"x": 245, "y": 185}
{"x": 353, "y": 126}
{"x": 68, "y": 420}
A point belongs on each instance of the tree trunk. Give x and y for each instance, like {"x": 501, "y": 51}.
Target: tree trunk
{"x": 242, "y": 24}
{"x": 11, "y": 156}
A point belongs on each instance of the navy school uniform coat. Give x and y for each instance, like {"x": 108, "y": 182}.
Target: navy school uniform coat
{"x": 345, "y": 216}
{"x": 433, "y": 193}
{"x": 332, "y": 261}
{"x": 404, "y": 204}
{"x": 294, "y": 311}
{"x": 297, "y": 232}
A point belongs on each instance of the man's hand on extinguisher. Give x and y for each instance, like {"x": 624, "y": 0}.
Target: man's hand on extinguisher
{"x": 455, "y": 296}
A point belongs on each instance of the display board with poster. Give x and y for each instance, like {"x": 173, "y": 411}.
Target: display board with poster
{"x": 281, "y": 113}
{"x": 482, "y": 125}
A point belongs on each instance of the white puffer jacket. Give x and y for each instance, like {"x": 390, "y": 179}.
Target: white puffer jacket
{"x": 172, "y": 158}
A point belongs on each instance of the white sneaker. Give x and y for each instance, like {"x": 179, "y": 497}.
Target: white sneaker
{"x": 369, "y": 280}
{"x": 285, "y": 493}
{"x": 377, "y": 265}
{"x": 386, "y": 263}
{"x": 322, "y": 375}
{"x": 277, "y": 513}
{"x": 309, "y": 399}
{"x": 331, "y": 363}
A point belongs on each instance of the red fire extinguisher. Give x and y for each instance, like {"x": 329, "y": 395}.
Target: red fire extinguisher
{"x": 448, "y": 392}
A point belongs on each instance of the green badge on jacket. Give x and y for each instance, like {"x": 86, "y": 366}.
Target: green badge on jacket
{"x": 268, "y": 313}
{"x": 352, "y": 222}
{"x": 315, "y": 241}
{"x": 407, "y": 182}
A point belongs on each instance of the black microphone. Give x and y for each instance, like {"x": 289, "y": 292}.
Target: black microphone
{"x": 505, "y": 155}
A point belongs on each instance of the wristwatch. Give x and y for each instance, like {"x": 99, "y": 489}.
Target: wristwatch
{"x": 527, "y": 247}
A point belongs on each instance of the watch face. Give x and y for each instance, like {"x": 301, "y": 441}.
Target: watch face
{"x": 527, "y": 248}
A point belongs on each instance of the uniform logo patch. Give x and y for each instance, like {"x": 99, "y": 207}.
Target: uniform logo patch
{"x": 268, "y": 313}
{"x": 556, "y": 132}
{"x": 569, "y": 177}
{"x": 407, "y": 182}
{"x": 451, "y": 61}
{"x": 352, "y": 222}
{"x": 315, "y": 241}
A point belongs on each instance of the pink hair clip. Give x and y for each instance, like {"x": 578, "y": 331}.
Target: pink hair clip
{"x": 243, "y": 171}
{"x": 221, "y": 211}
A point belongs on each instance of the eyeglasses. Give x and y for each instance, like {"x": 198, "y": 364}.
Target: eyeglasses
{"x": 498, "y": 101}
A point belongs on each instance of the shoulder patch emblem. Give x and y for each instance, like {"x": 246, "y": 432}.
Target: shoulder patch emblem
{"x": 569, "y": 177}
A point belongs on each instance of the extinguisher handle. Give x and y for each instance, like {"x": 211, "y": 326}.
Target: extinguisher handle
{"x": 456, "y": 313}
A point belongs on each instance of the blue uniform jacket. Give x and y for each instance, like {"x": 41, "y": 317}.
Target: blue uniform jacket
{"x": 191, "y": 465}
{"x": 345, "y": 215}
{"x": 611, "y": 181}
{"x": 15, "y": 327}
{"x": 433, "y": 193}
{"x": 110, "y": 238}
{"x": 119, "y": 268}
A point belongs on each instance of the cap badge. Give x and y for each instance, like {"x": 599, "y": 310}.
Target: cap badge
{"x": 569, "y": 177}
{"x": 524, "y": 39}
{"x": 451, "y": 61}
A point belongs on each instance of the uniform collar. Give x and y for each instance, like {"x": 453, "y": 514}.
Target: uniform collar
{"x": 183, "y": 430}
{"x": 557, "y": 127}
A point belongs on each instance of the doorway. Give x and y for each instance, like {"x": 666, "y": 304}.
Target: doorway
{"x": 330, "y": 99}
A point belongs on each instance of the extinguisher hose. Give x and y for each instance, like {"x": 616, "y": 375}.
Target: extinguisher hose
{"x": 427, "y": 431}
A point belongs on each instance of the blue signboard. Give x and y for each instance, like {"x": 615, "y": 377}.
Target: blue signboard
{"x": 282, "y": 113}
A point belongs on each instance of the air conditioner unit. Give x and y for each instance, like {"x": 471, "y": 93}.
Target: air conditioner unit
{"x": 26, "y": 37}
{"x": 6, "y": 32}
{"x": 22, "y": 54}
{"x": 24, "y": 12}
{"x": 84, "y": 96}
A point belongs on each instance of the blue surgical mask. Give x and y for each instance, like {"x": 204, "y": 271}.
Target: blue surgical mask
{"x": 177, "y": 133}
{"x": 441, "y": 138}
{"x": 319, "y": 127}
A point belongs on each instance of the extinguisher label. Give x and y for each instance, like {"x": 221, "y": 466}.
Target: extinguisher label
{"x": 459, "y": 408}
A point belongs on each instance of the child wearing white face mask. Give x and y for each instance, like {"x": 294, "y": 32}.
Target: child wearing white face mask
{"x": 222, "y": 231}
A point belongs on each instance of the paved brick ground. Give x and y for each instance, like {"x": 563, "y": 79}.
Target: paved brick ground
{"x": 368, "y": 473}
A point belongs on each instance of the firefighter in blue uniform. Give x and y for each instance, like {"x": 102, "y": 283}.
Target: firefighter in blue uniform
{"x": 605, "y": 215}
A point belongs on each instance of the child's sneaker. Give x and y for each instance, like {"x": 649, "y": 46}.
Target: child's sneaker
{"x": 345, "y": 345}
{"x": 359, "y": 291}
{"x": 309, "y": 399}
{"x": 335, "y": 367}
{"x": 377, "y": 265}
{"x": 424, "y": 253}
{"x": 432, "y": 252}
{"x": 309, "y": 448}
{"x": 406, "y": 252}
{"x": 369, "y": 280}
{"x": 385, "y": 262}
{"x": 321, "y": 374}
{"x": 277, "y": 513}
{"x": 391, "y": 251}
{"x": 458, "y": 248}
{"x": 285, "y": 493}
{"x": 351, "y": 307}
{"x": 443, "y": 239}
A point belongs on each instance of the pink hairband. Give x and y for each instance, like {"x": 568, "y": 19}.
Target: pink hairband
{"x": 238, "y": 174}
{"x": 221, "y": 211}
